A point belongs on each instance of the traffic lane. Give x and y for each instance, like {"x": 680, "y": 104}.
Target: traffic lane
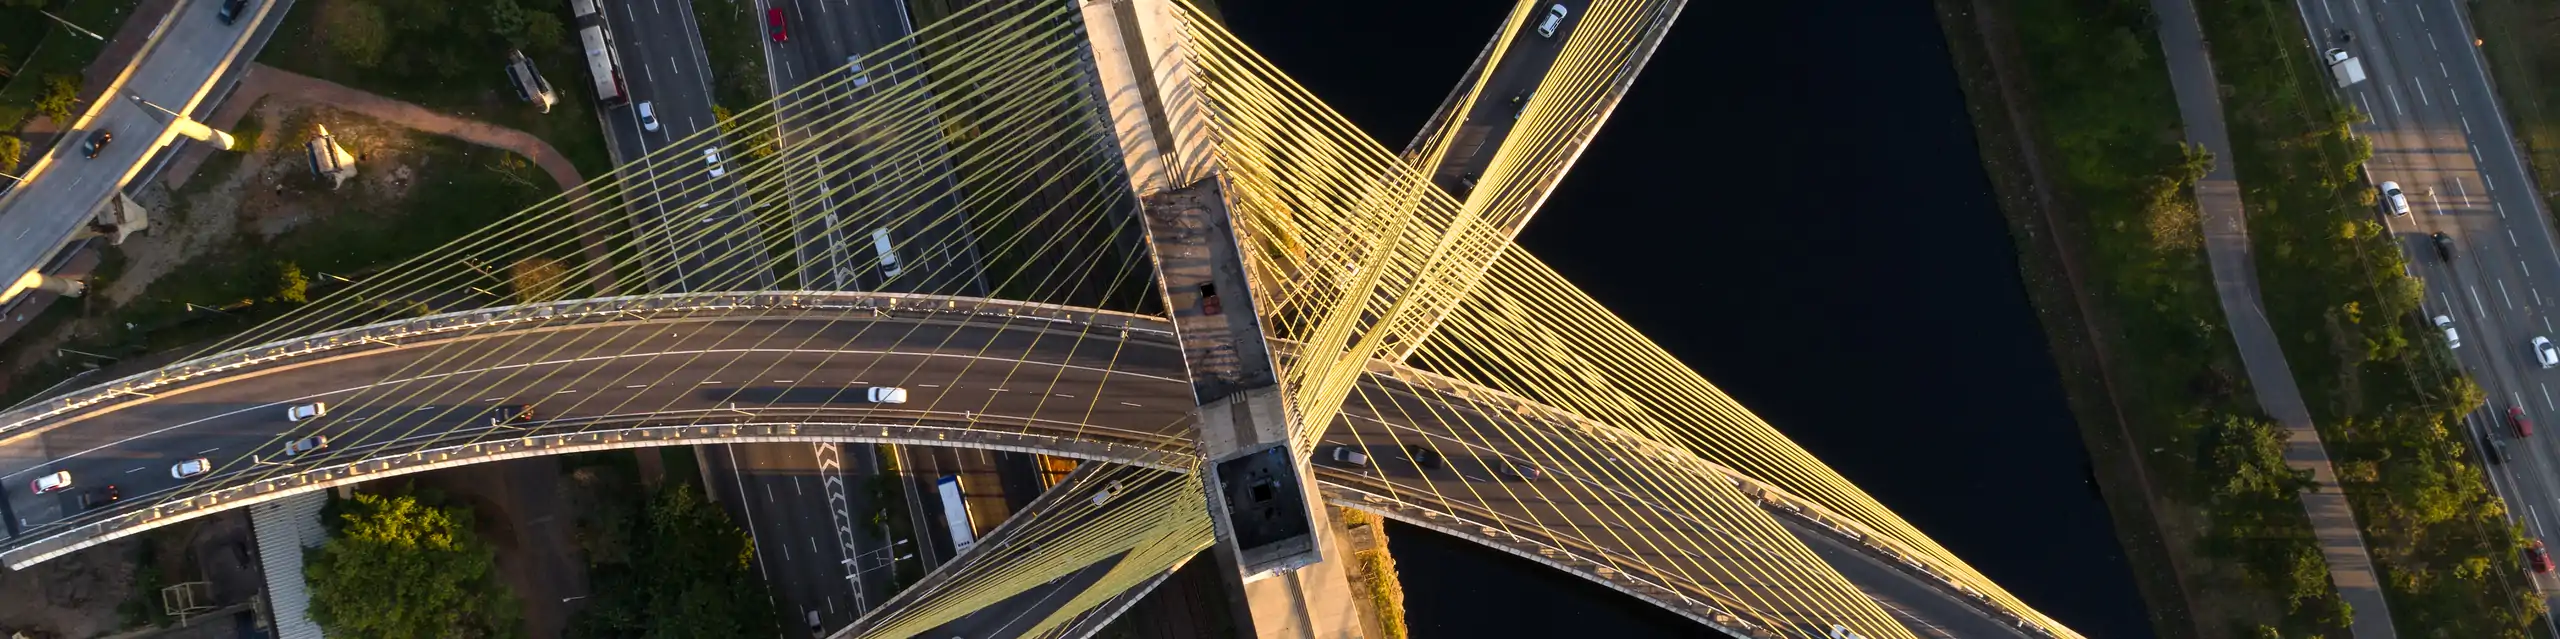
{"x": 793, "y": 529}
{"x": 256, "y": 404}
{"x": 1016, "y": 614}
{"x": 246, "y": 444}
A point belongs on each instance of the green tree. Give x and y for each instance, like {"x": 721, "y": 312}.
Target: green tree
{"x": 689, "y": 576}
{"x": 356, "y": 30}
{"x": 508, "y": 20}
{"x": 543, "y": 30}
{"x": 291, "y": 286}
{"x": 61, "y": 92}
{"x": 401, "y": 569}
{"x": 12, "y": 149}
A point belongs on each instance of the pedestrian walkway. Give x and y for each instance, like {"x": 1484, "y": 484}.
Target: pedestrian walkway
{"x": 2235, "y": 279}
{"x": 263, "y": 81}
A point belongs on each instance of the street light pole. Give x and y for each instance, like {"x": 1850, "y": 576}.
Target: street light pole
{"x": 74, "y": 27}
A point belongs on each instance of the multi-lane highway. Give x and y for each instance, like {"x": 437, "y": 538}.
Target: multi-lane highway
{"x": 700, "y": 221}
{"x": 2438, "y": 131}
{"x": 1508, "y": 85}
{"x": 175, "y": 70}
{"x": 1031, "y": 373}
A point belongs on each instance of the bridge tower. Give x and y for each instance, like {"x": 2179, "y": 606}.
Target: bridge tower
{"x": 1262, "y": 501}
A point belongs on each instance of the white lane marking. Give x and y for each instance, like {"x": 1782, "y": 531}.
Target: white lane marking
{"x": 2511, "y": 238}
{"x": 208, "y": 451}
{"x": 489, "y": 399}
{"x": 2475, "y": 154}
{"x": 768, "y": 493}
{"x": 2528, "y": 270}
{"x": 2420, "y": 88}
{"x": 707, "y": 383}
{"x": 930, "y": 385}
{"x": 671, "y": 61}
{"x": 1001, "y": 390}
{"x": 2476, "y": 309}
{"x": 2368, "y": 104}
{"x": 2502, "y": 208}
{"x": 786, "y": 552}
{"x": 2431, "y": 40}
{"x": 2502, "y": 294}
{"x": 2546, "y": 325}
{"x": 1064, "y": 395}
{"x": 136, "y": 470}
{"x": 813, "y": 545}
{"x": 2395, "y": 99}
{"x": 2464, "y": 191}
{"x": 795, "y": 485}
{"x": 2546, "y": 398}
{"x": 2466, "y": 126}
{"x": 2448, "y": 302}
{"x": 564, "y": 391}
{"x": 2440, "y": 70}
{"x": 2537, "y": 296}
{"x": 637, "y": 386}
{"x": 2488, "y": 183}
{"x": 2422, "y": 11}
{"x": 784, "y": 381}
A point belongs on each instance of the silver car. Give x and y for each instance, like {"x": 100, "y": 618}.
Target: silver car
{"x": 2399, "y": 201}
{"x": 1554, "y": 20}
{"x": 191, "y": 468}
{"x": 305, "y": 445}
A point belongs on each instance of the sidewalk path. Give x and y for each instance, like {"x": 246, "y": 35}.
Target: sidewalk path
{"x": 263, "y": 81}
{"x": 2235, "y": 278}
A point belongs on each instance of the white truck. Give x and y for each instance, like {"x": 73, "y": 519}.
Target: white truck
{"x": 2345, "y": 68}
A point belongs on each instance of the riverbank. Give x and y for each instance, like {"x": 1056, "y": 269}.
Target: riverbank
{"x": 2077, "y": 131}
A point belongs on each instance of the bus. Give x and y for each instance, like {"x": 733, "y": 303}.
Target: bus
{"x": 955, "y": 513}
{"x": 601, "y": 66}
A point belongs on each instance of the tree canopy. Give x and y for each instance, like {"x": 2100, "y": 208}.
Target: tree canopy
{"x": 401, "y": 569}
{"x": 689, "y": 574}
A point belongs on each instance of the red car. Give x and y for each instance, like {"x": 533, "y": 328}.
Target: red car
{"x": 2538, "y": 558}
{"x": 773, "y": 23}
{"x": 2516, "y": 418}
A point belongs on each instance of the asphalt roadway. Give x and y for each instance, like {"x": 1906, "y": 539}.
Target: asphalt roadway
{"x": 2437, "y": 129}
{"x": 1059, "y": 379}
{"x": 175, "y": 71}
{"x": 1514, "y": 78}
{"x": 699, "y": 218}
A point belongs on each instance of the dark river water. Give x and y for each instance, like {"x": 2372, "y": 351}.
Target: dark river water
{"x": 1791, "y": 202}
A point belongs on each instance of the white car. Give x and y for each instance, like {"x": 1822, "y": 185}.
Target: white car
{"x": 648, "y": 116}
{"x": 854, "y": 64}
{"x": 1349, "y": 456}
{"x": 191, "y": 468}
{"x": 59, "y": 480}
{"x": 2399, "y": 201}
{"x": 2451, "y": 339}
{"x": 888, "y": 395}
{"x": 1554, "y": 20}
{"x": 1104, "y": 496}
{"x": 2543, "y": 352}
{"x": 305, "y": 412}
{"x": 712, "y": 157}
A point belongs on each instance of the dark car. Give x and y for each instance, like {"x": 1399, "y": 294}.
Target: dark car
{"x": 2444, "y": 247}
{"x": 101, "y": 497}
{"x": 511, "y": 414}
{"x": 1519, "y": 471}
{"x": 231, "y": 10}
{"x": 773, "y": 23}
{"x": 97, "y": 143}
{"x": 2522, "y": 424}
{"x": 1423, "y": 456}
{"x": 2537, "y": 557}
{"x": 2492, "y": 449}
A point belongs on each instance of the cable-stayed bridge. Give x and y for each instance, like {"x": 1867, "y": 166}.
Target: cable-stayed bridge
{"x": 1103, "y": 231}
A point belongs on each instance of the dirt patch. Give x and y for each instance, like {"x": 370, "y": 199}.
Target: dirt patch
{"x": 74, "y": 596}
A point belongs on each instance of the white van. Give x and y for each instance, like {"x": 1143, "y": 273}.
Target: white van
{"x": 888, "y": 253}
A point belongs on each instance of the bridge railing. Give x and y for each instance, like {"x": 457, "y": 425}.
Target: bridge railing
{"x": 414, "y": 330}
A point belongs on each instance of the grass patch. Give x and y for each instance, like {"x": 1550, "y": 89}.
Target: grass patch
{"x": 2192, "y": 474}
{"x": 2388, "y": 400}
{"x": 732, "y": 40}
{"x": 2521, "y": 39}
{"x": 1378, "y": 574}
{"x": 451, "y": 57}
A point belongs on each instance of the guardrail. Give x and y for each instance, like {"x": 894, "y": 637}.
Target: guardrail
{"x": 402, "y": 332}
